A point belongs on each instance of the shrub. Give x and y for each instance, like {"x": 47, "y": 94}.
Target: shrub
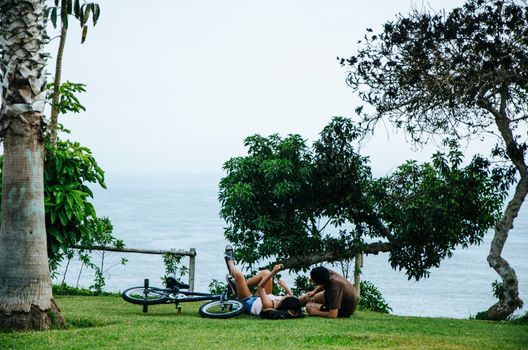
{"x": 371, "y": 299}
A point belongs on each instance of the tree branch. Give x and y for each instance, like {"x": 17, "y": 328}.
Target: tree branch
{"x": 311, "y": 259}
{"x": 324, "y": 226}
{"x": 375, "y": 222}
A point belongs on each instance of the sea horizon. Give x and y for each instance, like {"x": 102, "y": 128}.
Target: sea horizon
{"x": 180, "y": 211}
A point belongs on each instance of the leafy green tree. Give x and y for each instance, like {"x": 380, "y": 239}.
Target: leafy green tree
{"x": 70, "y": 216}
{"x": 304, "y": 206}
{"x": 459, "y": 75}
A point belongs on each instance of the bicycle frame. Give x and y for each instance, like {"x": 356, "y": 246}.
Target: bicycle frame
{"x": 219, "y": 306}
{"x": 176, "y": 295}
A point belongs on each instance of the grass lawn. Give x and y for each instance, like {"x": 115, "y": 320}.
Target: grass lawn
{"x": 111, "y": 323}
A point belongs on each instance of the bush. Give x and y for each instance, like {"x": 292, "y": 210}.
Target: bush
{"x": 217, "y": 287}
{"x": 301, "y": 285}
{"x": 64, "y": 289}
{"x": 371, "y": 299}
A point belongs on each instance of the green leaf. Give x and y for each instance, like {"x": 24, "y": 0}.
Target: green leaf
{"x": 82, "y": 22}
{"x": 77, "y": 9}
{"x": 69, "y": 199}
{"x": 92, "y": 6}
{"x": 54, "y": 17}
{"x": 53, "y": 215}
{"x": 63, "y": 218}
{"x": 55, "y": 233}
{"x": 90, "y": 210}
{"x": 46, "y": 16}
{"x": 86, "y": 15}
{"x": 78, "y": 197}
{"x": 83, "y": 39}
{"x": 60, "y": 198}
{"x": 96, "y": 14}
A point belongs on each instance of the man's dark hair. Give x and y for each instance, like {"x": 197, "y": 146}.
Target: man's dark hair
{"x": 290, "y": 303}
{"x": 320, "y": 275}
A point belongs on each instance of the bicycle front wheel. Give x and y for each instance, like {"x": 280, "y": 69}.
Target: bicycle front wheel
{"x": 145, "y": 296}
{"x": 221, "y": 309}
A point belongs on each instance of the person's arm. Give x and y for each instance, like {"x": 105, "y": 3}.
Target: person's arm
{"x": 317, "y": 289}
{"x": 266, "y": 303}
{"x": 285, "y": 287}
{"x": 305, "y": 299}
{"x": 314, "y": 310}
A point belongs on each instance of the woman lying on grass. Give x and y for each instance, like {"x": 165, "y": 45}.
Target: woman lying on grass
{"x": 263, "y": 303}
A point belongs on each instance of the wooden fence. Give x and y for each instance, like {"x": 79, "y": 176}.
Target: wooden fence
{"x": 191, "y": 253}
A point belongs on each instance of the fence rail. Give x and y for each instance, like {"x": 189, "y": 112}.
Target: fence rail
{"x": 191, "y": 253}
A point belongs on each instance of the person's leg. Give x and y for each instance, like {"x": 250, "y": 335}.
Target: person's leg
{"x": 242, "y": 289}
{"x": 317, "y": 302}
{"x": 255, "y": 280}
{"x": 319, "y": 298}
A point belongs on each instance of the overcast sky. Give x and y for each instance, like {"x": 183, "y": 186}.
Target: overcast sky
{"x": 175, "y": 86}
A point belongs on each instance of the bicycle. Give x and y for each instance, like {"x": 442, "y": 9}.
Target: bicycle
{"x": 219, "y": 306}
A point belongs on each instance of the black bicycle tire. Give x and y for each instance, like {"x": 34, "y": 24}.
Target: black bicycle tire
{"x": 141, "y": 290}
{"x": 204, "y": 309}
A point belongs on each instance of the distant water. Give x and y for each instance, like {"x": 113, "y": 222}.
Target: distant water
{"x": 181, "y": 212}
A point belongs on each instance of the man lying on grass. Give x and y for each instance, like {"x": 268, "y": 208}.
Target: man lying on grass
{"x": 263, "y": 303}
{"x": 333, "y": 297}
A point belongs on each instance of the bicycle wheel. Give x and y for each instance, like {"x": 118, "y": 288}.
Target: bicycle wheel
{"x": 221, "y": 309}
{"x": 145, "y": 296}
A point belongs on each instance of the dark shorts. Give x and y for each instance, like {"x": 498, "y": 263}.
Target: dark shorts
{"x": 341, "y": 312}
{"x": 248, "y": 303}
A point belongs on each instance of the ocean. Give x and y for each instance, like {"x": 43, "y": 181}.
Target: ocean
{"x": 181, "y": 212}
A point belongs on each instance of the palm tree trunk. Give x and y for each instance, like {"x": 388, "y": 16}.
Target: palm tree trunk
{"x": 25, "y": 284}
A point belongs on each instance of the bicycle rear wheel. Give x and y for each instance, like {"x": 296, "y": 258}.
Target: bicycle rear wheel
{"x": 221, "y": 309}
{"x": 145, "y": 295}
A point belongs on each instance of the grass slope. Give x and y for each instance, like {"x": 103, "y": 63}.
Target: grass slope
{"x": 111, "y": 323}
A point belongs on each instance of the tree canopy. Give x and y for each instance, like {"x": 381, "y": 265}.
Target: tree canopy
{"x": 445, "y": 74}
{"x": 456, "y": 74}
{"x": 305, "y": 205}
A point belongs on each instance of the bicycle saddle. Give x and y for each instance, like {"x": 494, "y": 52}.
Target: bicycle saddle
{"x": 171, "y": 282}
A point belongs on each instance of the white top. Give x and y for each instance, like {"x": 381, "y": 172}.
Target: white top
{"x": 256, "y": 308}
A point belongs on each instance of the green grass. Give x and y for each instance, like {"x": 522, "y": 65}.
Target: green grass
{"x": 110, "y": 323}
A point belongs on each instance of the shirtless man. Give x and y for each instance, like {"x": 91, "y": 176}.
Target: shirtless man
{"x": 263, "y": 298}
{"x": 334, "y": 296}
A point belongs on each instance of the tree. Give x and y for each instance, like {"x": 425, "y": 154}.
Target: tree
{"x": 304, "y": 206}
{"x": 460, "y": 74}
{"x": 26, "y": 300}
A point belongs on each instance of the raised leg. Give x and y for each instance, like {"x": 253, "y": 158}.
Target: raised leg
{"x": 242, "y": 288}
{"x": 255, "y": 280}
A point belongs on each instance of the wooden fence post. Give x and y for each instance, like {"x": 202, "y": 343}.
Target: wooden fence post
{"x": 357, "y": 272}
{"x": 192, "y": 268}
